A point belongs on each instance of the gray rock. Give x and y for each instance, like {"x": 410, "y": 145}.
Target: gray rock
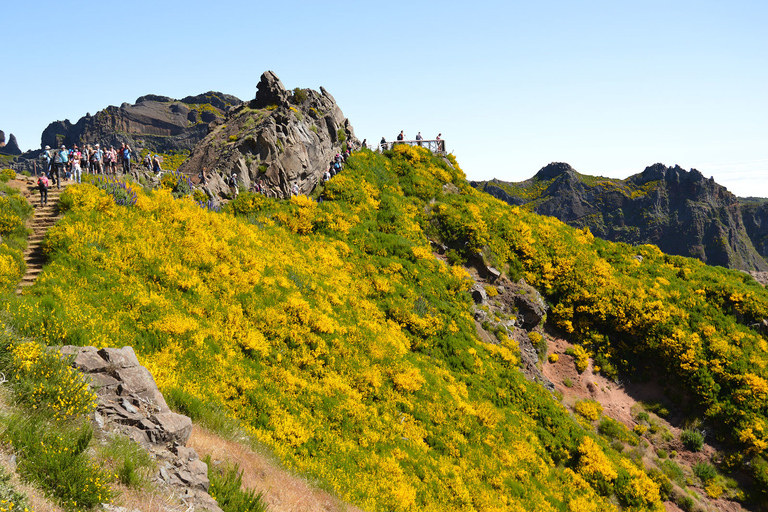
{"x": 120, "y": 357}
{"x": 479, "y": 294}
{"x": 292, "y": 143}
{"x": 270, "y": 91}
{"x": 137, "y": 379}
{"x": 173, "y": 427}
{"x": 102, "y": 380}
{"x": 128, "y": 406}
{"x": 98, "y": 419}
{"x": 86, "y": 359}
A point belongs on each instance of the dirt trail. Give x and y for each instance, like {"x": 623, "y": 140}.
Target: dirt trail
{"x": 283, "y": 490}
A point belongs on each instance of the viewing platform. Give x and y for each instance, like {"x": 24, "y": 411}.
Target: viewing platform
{"x": 435, "y": 146}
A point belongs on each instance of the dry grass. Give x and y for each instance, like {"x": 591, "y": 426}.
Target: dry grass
{"x": 283, "y": 490}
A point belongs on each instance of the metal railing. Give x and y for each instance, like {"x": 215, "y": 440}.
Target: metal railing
{"x": 435, "y": 146}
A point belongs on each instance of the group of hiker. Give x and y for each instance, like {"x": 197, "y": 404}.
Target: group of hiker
{"x": 401, "y": 137}
{"x": 70, "y": 163}
{"x": 335, "y": 166}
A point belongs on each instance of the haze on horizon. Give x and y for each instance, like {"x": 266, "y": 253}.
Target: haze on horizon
{"x": 512, "y": 86}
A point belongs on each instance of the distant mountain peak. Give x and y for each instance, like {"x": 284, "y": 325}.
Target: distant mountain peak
{"x": 554, "y": 170}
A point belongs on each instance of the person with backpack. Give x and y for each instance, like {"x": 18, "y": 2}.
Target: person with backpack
{"x": 156, "y": 165}
{"x": 46, "y": 158}
{"x": 42, "y": 185}
{"x": 60, "y": 161}
{"x": 233, "y": 185}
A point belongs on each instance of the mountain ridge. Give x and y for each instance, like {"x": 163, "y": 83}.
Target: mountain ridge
{"x": 681, "y": 211}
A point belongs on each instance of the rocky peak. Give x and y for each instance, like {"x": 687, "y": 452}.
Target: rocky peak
{"x": 270, "y": 91}
{"x": 279, "y": 139}
{"x": 660, "y": 172}
{"x": 11, "y": 147}
{"x": 553, "y": 170}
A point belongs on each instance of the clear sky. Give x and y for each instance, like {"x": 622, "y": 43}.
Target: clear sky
{"x": 608, "y": 86}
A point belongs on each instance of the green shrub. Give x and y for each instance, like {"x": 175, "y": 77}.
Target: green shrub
{"x": 227, "y": 489}
{"x": 692, "y": 440}
{"x": 129, "y": 461}
{"x": 299, "y": 96}
{"x": 673, "y": 471}
{"x": 685, "y": 502}
{"x": 656, "y": 408}
{"x": 53, "y": 456}
{"x": 705, "y": 471}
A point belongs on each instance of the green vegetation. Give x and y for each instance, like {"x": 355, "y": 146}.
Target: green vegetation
{"x": 704, "y": 471}
{"x": 692, "y": 439}
{"x": 299, "y": 96}
{"x": 51, "y": 433}
{"x": 227, "y": 489}
{"x": 7, "y": 175}
{"x": 14, "y": 212}
{"x": 335, "y": 337}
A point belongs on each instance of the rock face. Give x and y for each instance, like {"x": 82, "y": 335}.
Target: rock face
{"x": 680, "y": 211}
{"x": 158, "y": 123}
{"x": 279, "y": 139}
{"x": 129, "y": 403}
{"x": 11, "y": 147}
{"x": 754, "y": 214}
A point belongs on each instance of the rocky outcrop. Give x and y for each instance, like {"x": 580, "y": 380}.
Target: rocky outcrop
{"x": 754, "y": 214}
{"x": 157, "y": 123}
{"x": 279, "y": 139}
{"x": 129, "y": 403}
{"x": 10, "y": 147}
{"x": 680, "y": 211}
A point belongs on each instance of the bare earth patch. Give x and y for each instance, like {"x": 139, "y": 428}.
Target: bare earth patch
{"x": 283, "y": 490}
{"x": 619, "y": 401}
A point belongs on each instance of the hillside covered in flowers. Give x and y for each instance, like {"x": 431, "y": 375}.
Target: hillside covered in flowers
{"x": 331, "y": 331}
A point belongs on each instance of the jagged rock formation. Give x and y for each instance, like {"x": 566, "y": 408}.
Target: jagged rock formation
{"x": 158, "y": 123}
{"x": 754, "y": 214}
{"x": 130, "y": 403}
{"x": 11, "y": 147}
{"x": 680, "y": 211}
{"x": 280, "y": 138}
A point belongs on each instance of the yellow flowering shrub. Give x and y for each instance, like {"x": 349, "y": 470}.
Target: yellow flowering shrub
{"x": 593, "y": 463}
{"x": 589, "y": 409}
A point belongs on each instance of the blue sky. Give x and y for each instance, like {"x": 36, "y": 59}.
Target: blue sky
{"x": 607, "y": 86}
